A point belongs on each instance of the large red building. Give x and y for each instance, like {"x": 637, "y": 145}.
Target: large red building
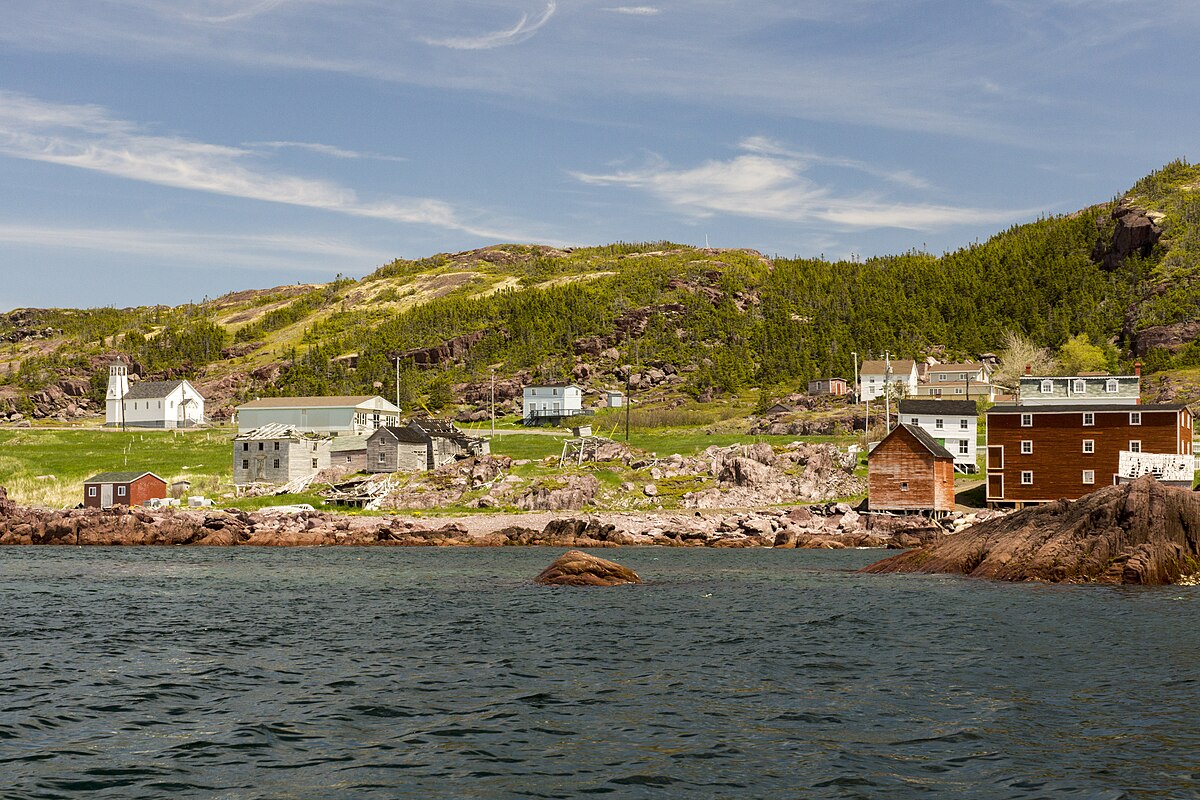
{"x": 1042, "y": 453}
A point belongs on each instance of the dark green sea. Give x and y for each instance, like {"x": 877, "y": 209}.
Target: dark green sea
{"x": 443, "y": 673}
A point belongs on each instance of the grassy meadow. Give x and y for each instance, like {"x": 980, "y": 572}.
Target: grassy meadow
{"x": 48, "y": 467}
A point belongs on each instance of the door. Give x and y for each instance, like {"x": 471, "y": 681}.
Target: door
{"x": 995, "y": 490}
{"x": 106, "y": 495}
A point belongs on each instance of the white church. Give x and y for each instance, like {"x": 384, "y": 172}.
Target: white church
{"x": 150, "y": 404}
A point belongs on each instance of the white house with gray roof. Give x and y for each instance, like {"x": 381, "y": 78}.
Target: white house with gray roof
{"x": 150, "y": 404}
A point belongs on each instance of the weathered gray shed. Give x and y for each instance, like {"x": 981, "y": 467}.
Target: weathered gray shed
{"x": 422, "y": 444}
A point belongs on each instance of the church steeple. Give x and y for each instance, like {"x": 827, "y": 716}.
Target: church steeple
{"x": 118, "y": 380}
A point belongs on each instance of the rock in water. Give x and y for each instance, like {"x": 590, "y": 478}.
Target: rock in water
{"x": 576, "y": 568}
{"x": 1140, "y": 533}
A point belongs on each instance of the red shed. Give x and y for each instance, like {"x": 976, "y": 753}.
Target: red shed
{"x": 110, "y": 489}
{"x": 910, "y": 471}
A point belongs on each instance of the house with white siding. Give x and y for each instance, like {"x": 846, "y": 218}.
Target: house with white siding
{"x": 954, "y": 424}
{"x": 338, "y": 416}
{"x": 875, "y": 375}
{"x": 150, "y": 404}
{"x": 1091, "y": 389}
{"x": 550, "y": 402}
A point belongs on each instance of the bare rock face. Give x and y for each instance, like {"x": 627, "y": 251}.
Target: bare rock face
{"x": 1135, "y": 232}
{"x": 576, "y": 568}
{"x": 1137, "y": 533}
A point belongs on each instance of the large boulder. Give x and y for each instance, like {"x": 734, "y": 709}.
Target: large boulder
{"x": 1138, "y": 533}
{"x": 576, "y": 568}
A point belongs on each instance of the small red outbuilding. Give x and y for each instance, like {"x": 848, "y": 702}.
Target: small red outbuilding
{"x": 110, "y": 489}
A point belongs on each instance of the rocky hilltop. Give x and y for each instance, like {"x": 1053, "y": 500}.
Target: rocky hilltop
{"x": 1136, "y": 533}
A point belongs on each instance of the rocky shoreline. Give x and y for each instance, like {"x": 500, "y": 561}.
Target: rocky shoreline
{"x": 827, "y": 526}
{"x": 1143, "y": 533}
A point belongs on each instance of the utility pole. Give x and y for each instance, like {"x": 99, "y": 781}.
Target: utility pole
{"x": 628, "y": 403}
{"x": 857, "y": 396}
{"x": 493, "y": 402}
{"x": 397, "y": 388}
{"x": 887, "y": 385}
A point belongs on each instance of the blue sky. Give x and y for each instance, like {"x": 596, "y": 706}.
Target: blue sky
{"x": 167, "y": 150}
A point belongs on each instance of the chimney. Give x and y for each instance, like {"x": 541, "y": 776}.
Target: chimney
{"x": 1137, "y": 368}
{"x": 1028, "y": 369}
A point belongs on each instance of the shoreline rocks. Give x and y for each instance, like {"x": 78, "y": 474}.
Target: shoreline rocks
{"x": 827, "y": 526}
{"x": 1134, "y": 533}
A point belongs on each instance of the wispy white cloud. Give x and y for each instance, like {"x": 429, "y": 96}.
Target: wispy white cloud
{"x": 218, "y": 251}
{"x": 224, "y": 11}
{"x": 636, "y": 11}
{"x": 326, "y": 150}
{"x": 88, "y": 137}
{"x": 766, "y": 181}
{"x": 524, "y": 29}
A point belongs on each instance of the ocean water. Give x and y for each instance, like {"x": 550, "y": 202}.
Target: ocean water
{"x": 426, "y": 673}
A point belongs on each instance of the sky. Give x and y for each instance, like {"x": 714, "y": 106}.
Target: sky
{"x": 164, "y": 151}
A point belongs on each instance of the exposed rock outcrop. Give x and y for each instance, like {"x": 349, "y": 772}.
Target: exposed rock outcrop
{"x": 1139, "y": 533}
{"x": 1136, "y": 231}
{"x": 576, "y": 568}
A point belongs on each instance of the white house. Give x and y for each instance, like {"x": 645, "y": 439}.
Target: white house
{"x": 150, "y": 404}
{"x": 349, "y": 415}
{"x": 952, "y": 423}
{"x": 551, "y": 402}
{"x": 874, "y": 375}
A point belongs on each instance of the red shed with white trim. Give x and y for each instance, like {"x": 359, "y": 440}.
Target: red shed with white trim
{"x": 110, "y": 489}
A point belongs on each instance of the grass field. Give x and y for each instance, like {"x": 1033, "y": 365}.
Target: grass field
{"x": 48, "y": 467}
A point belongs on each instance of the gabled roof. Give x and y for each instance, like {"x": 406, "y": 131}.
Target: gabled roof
{"x": 276, "y": 431}
{"x": 899, "y": 367}
{"x": 340, "y": 401}
{"x": 963, "y": 408}
{"x": 119, "y": 477}
{"x": 1058, "y": 408}
{"x": 151, "y": 390}
{"x": 966, "y": 366}
{"x": 347, "y": 444}
{"x": 552, "y": 386}
{"x": 923, "y": 439}
{"x": 405, "y": 434}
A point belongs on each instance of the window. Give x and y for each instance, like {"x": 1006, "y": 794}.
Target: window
{"x": 261, "y": 446}
{"x": 1135, "y": 445}
{"x": 964, "y": 447}
{"x": 962, "y": 424}
{"x": 314, "y": 447}
{"x": 912, "y": 420}
{"x": 1089, "y": 445}
{"x": 1027, "y": 420}
{"x": 1089, "y": 418}
{"x": 382, "y": 458}
{"x": 1111, "y": 385}
{"x": 120, "y": 491}
{"x": 1047, "y": 387}
{"x": 348, "y": 459}
{"x": 1089, "y": 476}
{"x": 937, "y": 424}
{"x": 275, "y": 464}
{"x": 1027, "y": 478}
{"x": 91, "y": 491}
{"x": 245, "y": 446}
{"x": 904, "y": 486}
{"x": 314, "y": 463}
{"x": 1135, "y": 418}
{"x": 276, "y": 445}
{"x": 1078, "y": 387}
{"x": 1026, "y": 447}
{"x": 245, "y": 463}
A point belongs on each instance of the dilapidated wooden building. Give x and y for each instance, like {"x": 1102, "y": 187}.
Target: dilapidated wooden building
{"x": 910, "y": 471}
{"x": 422, "y": 444}
{"x": 278, "y": 454}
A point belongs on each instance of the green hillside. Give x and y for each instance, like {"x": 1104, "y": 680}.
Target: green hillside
{"x": 718, "y": 321}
